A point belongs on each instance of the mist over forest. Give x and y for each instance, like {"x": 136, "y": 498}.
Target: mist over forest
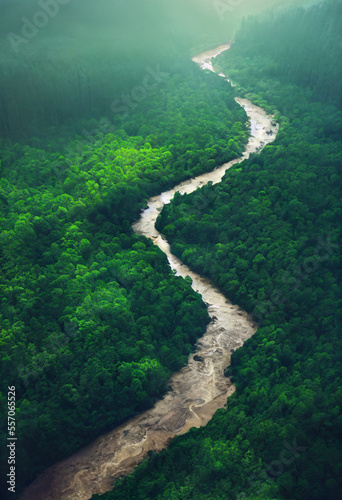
{"x": 102, "y": 110}
{"x": 70, "y": 59}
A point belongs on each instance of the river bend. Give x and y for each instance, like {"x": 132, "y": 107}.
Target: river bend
{"x": 198, "y": 390}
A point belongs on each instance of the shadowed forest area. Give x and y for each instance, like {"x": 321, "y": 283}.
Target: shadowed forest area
{"x": 69, "y": 60}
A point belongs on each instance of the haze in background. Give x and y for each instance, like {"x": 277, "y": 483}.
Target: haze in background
{"x": 67, "y": 59}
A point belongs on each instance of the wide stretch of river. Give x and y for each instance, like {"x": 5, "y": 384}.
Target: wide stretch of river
{"x": 198, "y": 390}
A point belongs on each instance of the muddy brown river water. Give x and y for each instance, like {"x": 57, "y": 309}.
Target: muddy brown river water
{"x": 197, "y": 390}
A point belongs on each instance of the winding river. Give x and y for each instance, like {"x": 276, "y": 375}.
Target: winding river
{"x": 198, "y": 390}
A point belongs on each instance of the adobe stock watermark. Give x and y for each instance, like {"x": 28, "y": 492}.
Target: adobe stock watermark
{"x": 274, "y": 469}
{"x": 121, "y": 108}
{"x": 295, "y": 275}
{"x": 76, "y": 152}
{"x": 200, "y": 200}
{"x": 43, "y": 359}
{"x": 224, "y": 6}
{"x": 31, "y": 27}
{"x": 101, "y": 303}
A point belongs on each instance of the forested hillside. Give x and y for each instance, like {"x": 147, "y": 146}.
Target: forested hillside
{"x": 93, "y": 320}
{"x": 62, "y": 61}
{"x": 303, "y": 47}
{"x": 268, "y": 236}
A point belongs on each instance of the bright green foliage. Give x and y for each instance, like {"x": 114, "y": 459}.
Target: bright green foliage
{"x": 269, "y": 236}
{"x": 93, "y": 321}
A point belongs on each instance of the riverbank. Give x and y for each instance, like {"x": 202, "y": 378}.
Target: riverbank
{"x": 197, "y": 390}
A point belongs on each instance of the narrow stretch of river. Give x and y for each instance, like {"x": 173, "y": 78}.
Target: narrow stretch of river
{"x": 198, "y": 390}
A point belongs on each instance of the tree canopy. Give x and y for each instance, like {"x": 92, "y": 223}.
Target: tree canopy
{"x": 268, "y": 236}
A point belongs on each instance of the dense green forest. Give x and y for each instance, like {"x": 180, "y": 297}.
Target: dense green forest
{"x": 65, "y": 61}
{"x": 268, "y": 236}
{"x": 93, "y": 320}
{"x": 297, "y": 48}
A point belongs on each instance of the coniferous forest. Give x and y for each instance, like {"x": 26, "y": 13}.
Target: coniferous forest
{"x": 94, "y": 321}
